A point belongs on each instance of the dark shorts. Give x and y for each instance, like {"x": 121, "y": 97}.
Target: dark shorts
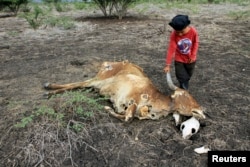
{"x": 184, "y": 71}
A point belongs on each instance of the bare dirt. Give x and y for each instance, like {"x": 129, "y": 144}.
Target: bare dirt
{"x": 29, "y": 58}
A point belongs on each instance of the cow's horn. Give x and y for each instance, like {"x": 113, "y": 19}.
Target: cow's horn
{"x": 170, "y": 82}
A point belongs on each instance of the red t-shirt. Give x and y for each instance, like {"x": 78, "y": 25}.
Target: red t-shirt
{"x": 185, "y": 47}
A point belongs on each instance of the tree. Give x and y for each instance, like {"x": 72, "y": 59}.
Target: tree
{"x": 121, "y": 7}
{"x": 114, "y": 7}
{"x": 13, "y": 5}
{"x": 106, "y": 6}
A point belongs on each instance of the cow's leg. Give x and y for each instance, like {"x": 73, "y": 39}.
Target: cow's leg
{"x": 129, "y": 113}
{"x": 57, "y": 91}
{"x": 114, "y": 114}
{"x": 60, "y": 88}
{"x": 51, "y": 86}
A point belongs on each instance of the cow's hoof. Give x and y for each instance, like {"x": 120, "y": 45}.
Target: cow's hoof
{"x": 128, "y": 119}
{"x": 46, "y": 85}
{"x": 46, "y": 95}
{"x": 109, "y": 109}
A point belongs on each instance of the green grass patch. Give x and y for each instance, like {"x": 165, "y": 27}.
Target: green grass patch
{"x": 239, "y": 15}
{"x": 63, "y": 22}
{"x": 77, "y": 106}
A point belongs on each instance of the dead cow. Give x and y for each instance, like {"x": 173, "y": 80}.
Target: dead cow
{"x": 133, "y": 94}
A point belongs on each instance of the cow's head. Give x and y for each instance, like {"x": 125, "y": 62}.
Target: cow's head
{"x": 183, "y": 102}
{"x": 186, "y": 105}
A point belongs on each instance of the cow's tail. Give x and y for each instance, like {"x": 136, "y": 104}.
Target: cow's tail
{"x": 170, "y": 82}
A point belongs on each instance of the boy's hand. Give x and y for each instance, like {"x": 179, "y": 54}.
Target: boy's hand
{"x": 191, "y": 60}
{"x": 167, "y": 69}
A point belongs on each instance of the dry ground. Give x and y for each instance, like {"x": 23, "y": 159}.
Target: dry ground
{"x": 220, "y": 83}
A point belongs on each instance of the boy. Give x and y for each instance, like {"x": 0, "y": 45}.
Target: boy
{"x": 184, "y": 44}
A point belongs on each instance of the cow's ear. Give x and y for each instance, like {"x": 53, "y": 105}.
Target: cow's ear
{"x": 198, "y": 113}
{"x": 144, "y": 96}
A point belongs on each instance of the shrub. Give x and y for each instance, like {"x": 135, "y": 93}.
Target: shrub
{"x": 121, "y": 7}
{"x": 33, "y": 18}
{"x": 114, "y": 7}
{"x": 13, "y": 5}
{"x": 51, "y": 1}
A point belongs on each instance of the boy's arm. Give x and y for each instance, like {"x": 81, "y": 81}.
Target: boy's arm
{"x": 171, "y": 50}
{"x": 195, "y": 47}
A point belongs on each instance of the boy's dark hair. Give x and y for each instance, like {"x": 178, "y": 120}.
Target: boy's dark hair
{"x": 180, "y": 22}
